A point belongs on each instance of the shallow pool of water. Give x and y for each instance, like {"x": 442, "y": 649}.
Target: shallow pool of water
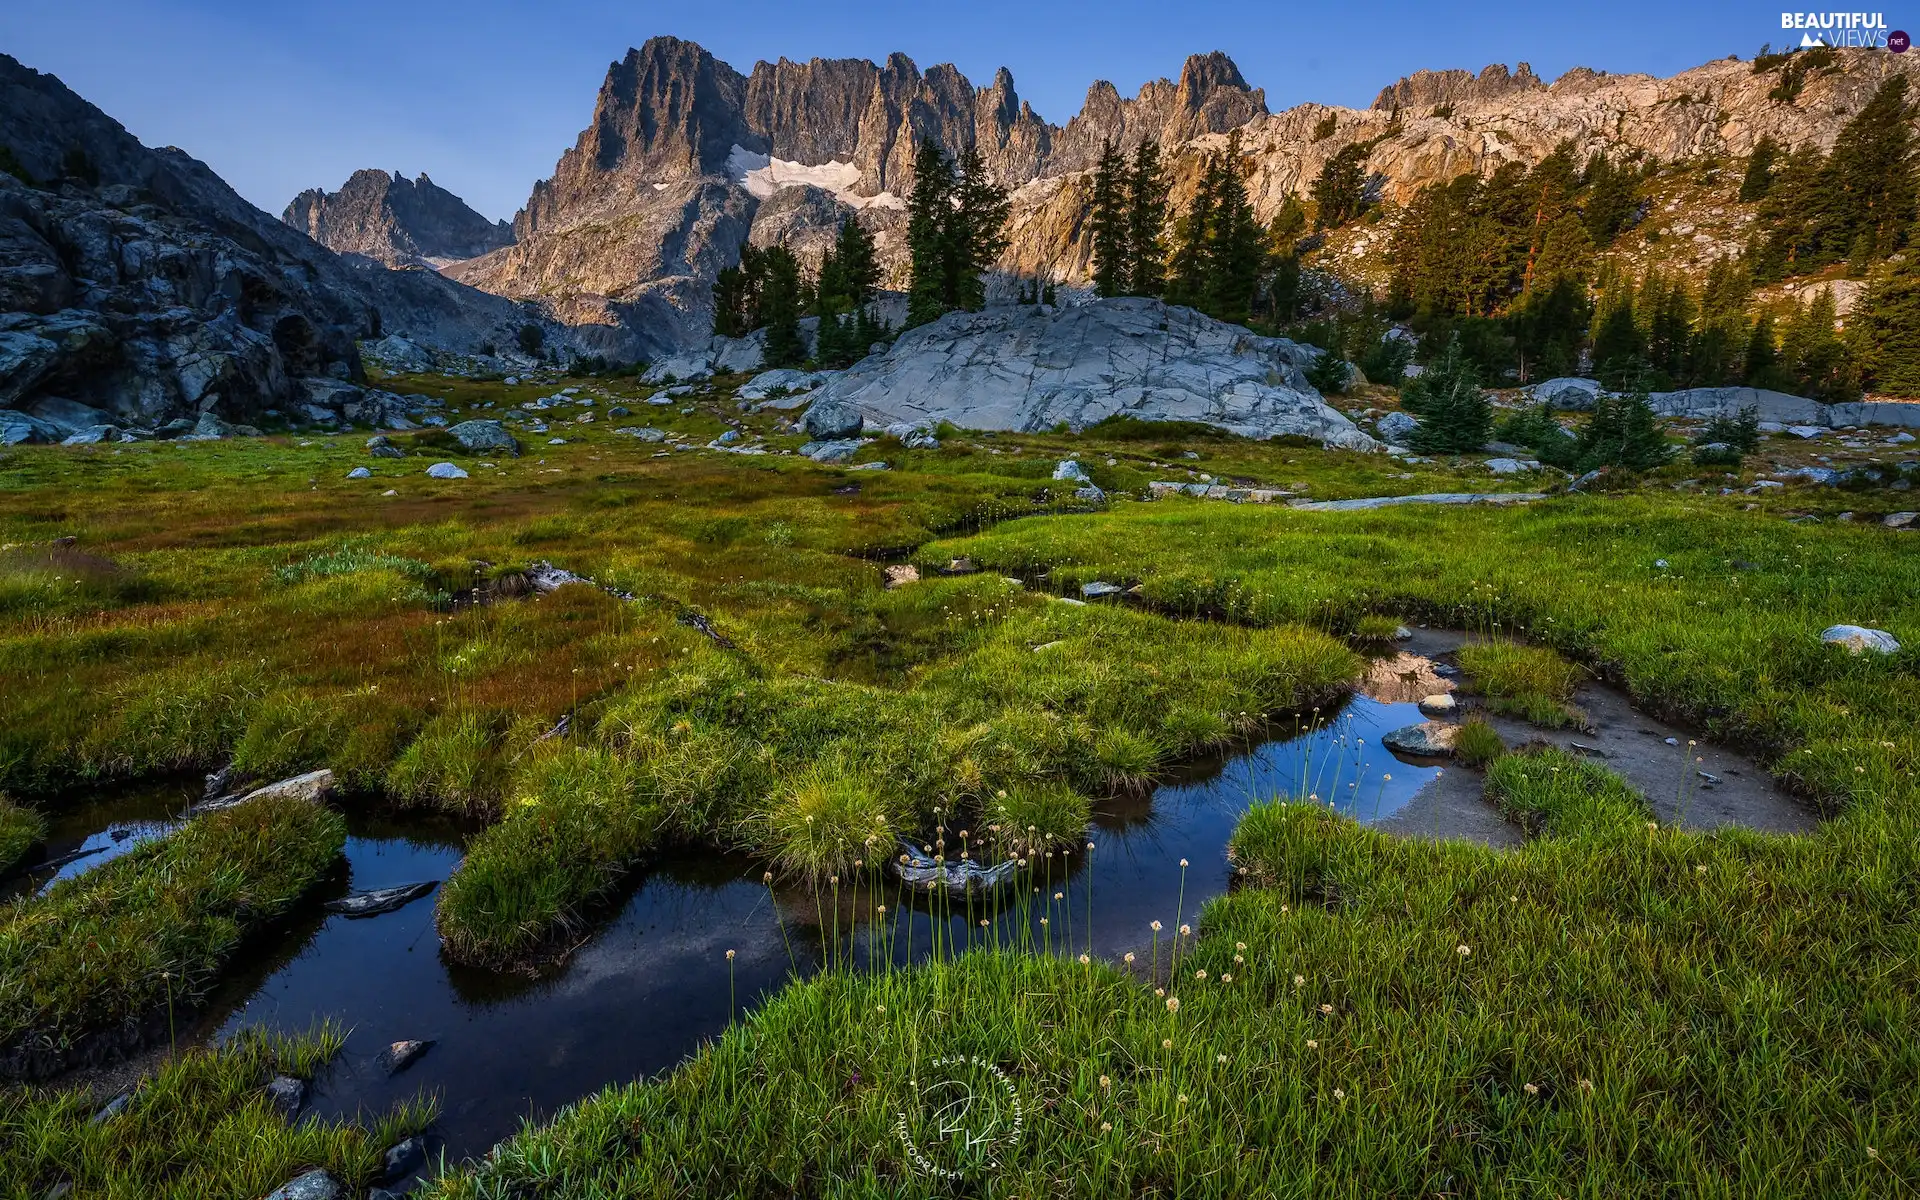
{"x": 651, "y": 982}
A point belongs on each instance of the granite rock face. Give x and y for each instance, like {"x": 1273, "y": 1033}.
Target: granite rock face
{"x": 136, "y": 282}
{"x": 1034, "y": 367}
{"x": 395, "y": 222}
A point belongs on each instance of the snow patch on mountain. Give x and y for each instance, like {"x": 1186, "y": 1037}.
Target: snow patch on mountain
{"x": 762, "y": 175}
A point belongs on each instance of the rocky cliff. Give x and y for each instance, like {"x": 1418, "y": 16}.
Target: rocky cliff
{"x": 686, "y": 158}
{"x": 684, "y": 155}
{"x": 395, "y": 222}
{"x": 135, "y": 283}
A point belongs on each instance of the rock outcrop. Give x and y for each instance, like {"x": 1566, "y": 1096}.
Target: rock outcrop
{"x": 1035, "y": 367}
{"x": 395, "y": 222}
{"x": 135, "y": 282}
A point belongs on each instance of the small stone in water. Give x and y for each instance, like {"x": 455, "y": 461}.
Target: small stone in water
{"x": 401, "y": 1055}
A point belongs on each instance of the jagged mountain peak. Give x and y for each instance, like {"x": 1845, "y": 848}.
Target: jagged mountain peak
{"x": 1425, "y": 89}
{"x": 397, "y": 222}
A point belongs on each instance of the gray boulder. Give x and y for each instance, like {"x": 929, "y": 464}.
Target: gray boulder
{"x": 445, "y": 470}
{"x": 785, "y": 380}
{"x": 1067, "y": 469}
{"x": 1858, "y": 639}
{"x": 381, "y": 447}
{"x": 1032, "y": 367}
{"x": 94, "y": 434}
{"x": 1397, "y": 427}
{"x": 831, "y": 451}
{"x": 1428, "y": 739}
{"x": 403, "y": 1159}
{"x": 314, "y": 1185}
{"x": 913, "y": 437}
{"x": 1569, "y": 394}
{"x": 395, "y": 353}
{"x": 17, "y": 428}
{"x": 644, "y": 433}
{"x": 829, "y": 419}
{"x": 288, "y": 1095}
{"x": 71, "y": 416}
{"x": 359, "y": 473}
{"x": 483, "y": 435}
{"x": 1511, "y": 466}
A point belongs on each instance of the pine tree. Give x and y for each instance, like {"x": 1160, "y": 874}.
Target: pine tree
{"x": 1622, "y": 432}
{"x": 929, "y": 209}
{"x": 1339, "y": 191}
{"x": 975, "y": 232}
{"x": 1146, "y": 222}
{"x": 1886, "y": 329}
{"x": 1759, "y": 177}
{"x": 1760, "y": 366}
{"x": 1455, "y": 415}
{"x": 1187, "y": 281}
{"x": 1112, "y": 256}
{"x": 736, "y": 295}
{"x": 1612, "y": 197}
{"x": 1235, "y": 254}
{"x": 1814, "y": 355}
{"x": 1619, "y": 352}
{"x": 1872, "y": 170}
{"x": 780, "y": 302}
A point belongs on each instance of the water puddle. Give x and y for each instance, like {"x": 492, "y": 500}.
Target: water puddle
{"x": 98, "y": 829}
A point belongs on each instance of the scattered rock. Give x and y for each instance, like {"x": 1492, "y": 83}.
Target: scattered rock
{"x": 1900, "y": 520}
{"x": 446, "y": 470}
{"x": 314, "y": 1185}
{"x": 1511, "y": 466}
{"x": 1438, "y": 705}
{"x": 1429, "y": 739}
{"x": 401, "y": 1055}
{"x": 288, "y": 1095}
{"x": 359, "y": 473}
{"x": 901, "y": 574}
{"x": 828, "y": 420}
{"x": 375, "y": 901}
{"x": 1858, "y": 639}
{"x": 1094, "y": 591}
{"x": 913, "y": 437}
{"x": 1568, "y": 394}
{"x": 481, "y": 436}
{"x": 1068, "y": 469}
{"x": 645, "y": 433}
{"x": 381, "y": 447}
{"x": 783, "y": 380}
{"x": 832, "y": 451}
{"x": 959, "y": 566}
{"x": 1397, "y": 427}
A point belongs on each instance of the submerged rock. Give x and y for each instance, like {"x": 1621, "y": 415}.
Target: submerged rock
{"x": 1097, "y": 589}
{"x": 375, "y": 901}
{"x": 401, "y": 1055}
{"x": 1858, "y": 639}
{"x": 916, "y": 868}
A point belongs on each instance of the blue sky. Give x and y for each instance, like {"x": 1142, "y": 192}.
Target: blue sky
{"x": 484, "y": 96}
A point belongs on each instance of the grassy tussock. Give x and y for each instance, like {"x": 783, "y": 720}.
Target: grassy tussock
{"x": 575, "y": 823}
{"x": 154, "y": 927}
{"x": 1529, "y": 682}
{"x": 200, "y": 1127}
{"x": 20, "y": 831}
{"x": 1477, "y": 743}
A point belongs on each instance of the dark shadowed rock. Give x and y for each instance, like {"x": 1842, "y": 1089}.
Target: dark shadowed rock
{"x": 288, "y": 1095}
{"x": 314, "y": 1185}
{"x": 401, "y": 1055}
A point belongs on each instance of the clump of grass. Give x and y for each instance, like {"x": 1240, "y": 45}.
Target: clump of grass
{"x": 1376, "y": 629}
{"x": 1551, "y": 791}
{"x": 1039, "y": 817}
{"x": 575, "y": 824}
{"x": 151, "y": 930}
{"x": 201, "y": 1125}
{"x": 351, "y": 559}
{"x": 454, "y": 764}
{"x": 1529, "y": 682}
{"x": 20, "y": 831}
{"x": 822, "y": 820}
{"x": 1476, "y": 743}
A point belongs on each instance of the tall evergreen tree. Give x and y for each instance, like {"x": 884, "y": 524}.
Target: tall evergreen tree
{"x": 1235, "y": 250}
{"x": 780, "y": 304}
{"x": 736, "y": 295}
{"x": 929, "y": 211}
{"x": 1187, "y": 280}
{"x": 1886, "y": 329}
{"x": 1146, "y": 222}
{"x": 1622, "y": 432}
{"x": 976, "y": 231}
{"x": 1455, "y": 415}
{"x": 1109, "y": 224}
{"x": 1759, "y": 177}
{"x": 1339, "y": 191}
{"x": 1619, "y": 350}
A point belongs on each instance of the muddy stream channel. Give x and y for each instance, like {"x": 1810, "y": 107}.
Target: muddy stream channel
{"x": 651, "y": 982}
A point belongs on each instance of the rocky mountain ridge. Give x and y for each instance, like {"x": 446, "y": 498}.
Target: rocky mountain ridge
{"x": 686, "y": 159}
{"x": 138, "y": 290}
{"x": 395, "y": 222}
